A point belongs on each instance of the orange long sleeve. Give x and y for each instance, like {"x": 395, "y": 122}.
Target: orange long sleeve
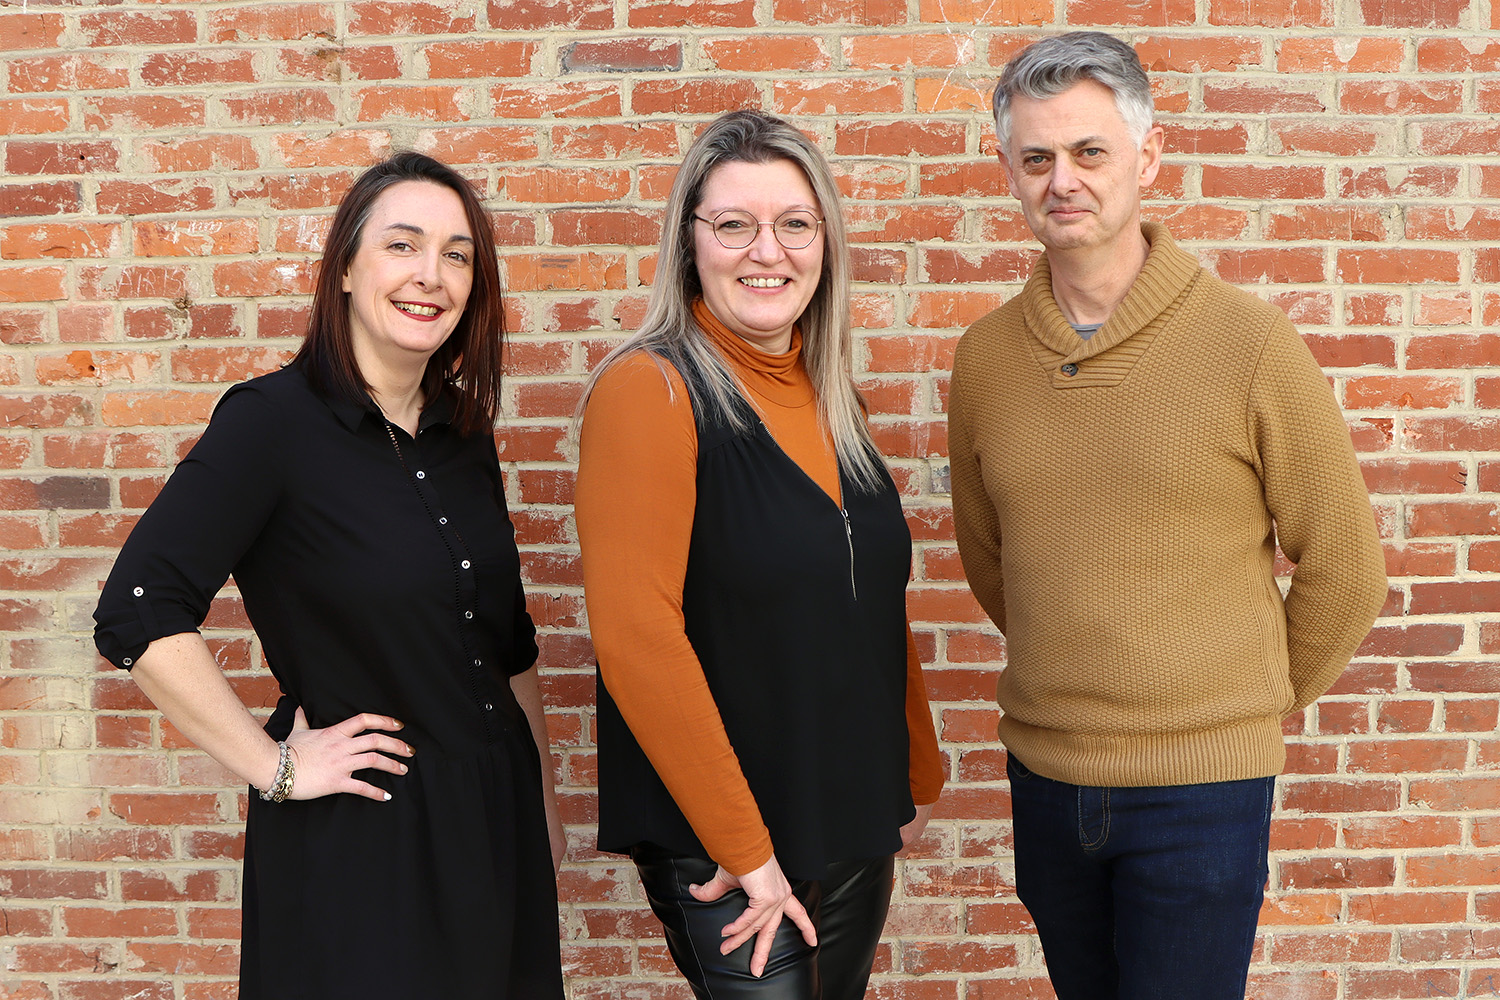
{"x": 634, "y": 507}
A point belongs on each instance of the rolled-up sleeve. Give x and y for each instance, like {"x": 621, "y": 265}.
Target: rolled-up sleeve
{"x": 190, "y": 539}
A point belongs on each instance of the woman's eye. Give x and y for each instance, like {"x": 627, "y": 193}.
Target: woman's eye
{"x": 458, "y": 257}
{"x": 794, "y": 225}
{"x": 733, "y": 225}
{"x": 400, "y": 245}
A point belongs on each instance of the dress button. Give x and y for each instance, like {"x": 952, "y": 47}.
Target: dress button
{"x": 127, "y": 661}
{"x": 489, "y": 707}
{"x": 421, "y": 474}
{"x": 468, "y": 614}
{"x": 442, "y": 520}
{"x": 1070, "y": 370}
{"x": 139, "y": 592}
{"x": 478, "y": 662}
{"x": 465, "y": 564}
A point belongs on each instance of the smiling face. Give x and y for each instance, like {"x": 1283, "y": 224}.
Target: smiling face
{"x": 1077, "y": 169}
{"x": 410, "y": 278}
{"x": 759, "y": 291}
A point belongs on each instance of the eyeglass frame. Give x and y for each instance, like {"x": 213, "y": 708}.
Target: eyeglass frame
{"x": 713, "y": 227}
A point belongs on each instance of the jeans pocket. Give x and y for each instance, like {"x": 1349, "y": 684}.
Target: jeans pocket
{"x": 1014, "y": 769}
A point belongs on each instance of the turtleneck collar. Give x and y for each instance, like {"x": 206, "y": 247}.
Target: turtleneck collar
{"x": 780, "y": 378}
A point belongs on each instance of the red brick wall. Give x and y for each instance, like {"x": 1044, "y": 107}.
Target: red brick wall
{"x": 169, "y": 169}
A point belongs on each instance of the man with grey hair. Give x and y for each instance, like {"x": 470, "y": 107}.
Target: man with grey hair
{"x": 1130, "y": 437}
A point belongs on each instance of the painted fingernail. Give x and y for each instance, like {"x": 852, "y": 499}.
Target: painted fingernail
{"x": 404, "y": 769}
{"x": 410, "y": 750}
{"x": 387, "y": 796}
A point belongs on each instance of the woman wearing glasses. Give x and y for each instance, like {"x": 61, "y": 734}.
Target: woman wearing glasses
{"x": 765, "y": 745}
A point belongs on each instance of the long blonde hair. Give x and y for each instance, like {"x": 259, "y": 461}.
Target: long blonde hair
{"x": 669, "y": 331}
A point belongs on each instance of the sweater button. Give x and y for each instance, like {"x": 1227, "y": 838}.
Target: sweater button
{"x": 1069, "y": 369}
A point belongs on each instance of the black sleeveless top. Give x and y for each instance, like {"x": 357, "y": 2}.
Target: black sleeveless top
{"x": 797, "y": 611}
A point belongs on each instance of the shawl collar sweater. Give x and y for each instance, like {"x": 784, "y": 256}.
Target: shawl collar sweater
{"x": 1118, "y": 502}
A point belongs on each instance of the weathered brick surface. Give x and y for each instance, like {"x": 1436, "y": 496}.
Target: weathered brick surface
{"x": 168, "y": 174}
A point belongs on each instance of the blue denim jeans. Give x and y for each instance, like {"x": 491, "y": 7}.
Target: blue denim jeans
{"x": 1146, "y": 893}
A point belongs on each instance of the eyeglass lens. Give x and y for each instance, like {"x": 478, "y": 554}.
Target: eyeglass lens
{"x": 737, "y": 230}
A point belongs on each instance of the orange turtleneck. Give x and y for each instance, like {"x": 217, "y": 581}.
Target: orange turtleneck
{"x": 634, "y": 502}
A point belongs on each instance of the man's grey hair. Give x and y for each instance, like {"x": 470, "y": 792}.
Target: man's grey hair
{"x": 1053, "y": 65}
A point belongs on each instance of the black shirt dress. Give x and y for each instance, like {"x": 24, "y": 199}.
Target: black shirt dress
{"x": 381, "y": 575}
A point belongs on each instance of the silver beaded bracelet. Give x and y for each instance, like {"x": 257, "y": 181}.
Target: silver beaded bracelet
{"x": 286, "y": 772}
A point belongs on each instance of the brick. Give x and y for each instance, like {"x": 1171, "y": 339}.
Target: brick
{"x": 267, "y": 22}
{"x": 479, "y": 58}
{"x": 199, "y": 153}
{"x": 480, "y": 144}
{"x": 387, "y": 17}
{"x": 690, "y": 96}
{"x": 295, "y": 106}
{"x": 1343, "y": 139}
{"x": 74, "y": 71}
{"x": 762, "y": 53}
{"x": 1256, "y": 266}
{"x": 613, "y": 142}
{"x": 1403, "y": 266}
{"x": 346, "y": 147}
{"x": 1247, "y": 98}
{"x": 1198, "y": 54}
{"x": 622, "y": 55}
{"x": 30, "y": 30}
{"x": 166, "y": 27}
{"x": 1413, "y": 13}
{"x": 1424, "y": 181}
{"x": 931, "y": 137}
{"x": 1400, "y": 97}
{"x": 40, "y": 198}
{"x": 691, "y": 14}
{"x": 31, "y": 284}
{"x": 1457, "y": 138}
{"x": 191, "y": 69}
{"x": 813, "y": 12}
{"x": 1262, "y": 182}
{"x": 1454, "y": 55}
{"x": 71, "y": 157}
{"x": 1323, "y": 55}
{"x": 571, "y": 99}
{"x": 36, "y": 241}
{"x": 533, "y": 15}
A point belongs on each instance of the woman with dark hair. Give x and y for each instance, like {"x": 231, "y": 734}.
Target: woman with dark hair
{"x": 404, "y": 837}
{"x": 765, "y": 743}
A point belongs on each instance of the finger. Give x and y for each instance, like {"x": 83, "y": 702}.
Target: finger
{"x": 356, "y": 724}
{"x": 800, "y": 917}
{"x": 299, "y": 720}
{"x": 378, "y": 762}
{"x": 744, "y": 925}
{"x": 366, "y": 789}
{"x": 763, "y": 941}
{"x": 381, "y": 742}
{"x": 710, "y": 891}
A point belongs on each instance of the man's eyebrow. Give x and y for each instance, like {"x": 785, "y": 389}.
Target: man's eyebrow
{"x": 1086, "y": 142}
{"x": 407, "y": 227}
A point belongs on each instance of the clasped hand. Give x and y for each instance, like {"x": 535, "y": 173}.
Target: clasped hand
{"x": 770, "y": 899}
{"x": 326, "y": 759}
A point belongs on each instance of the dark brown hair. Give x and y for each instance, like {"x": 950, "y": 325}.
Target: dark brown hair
{"x": 468, "y": 361}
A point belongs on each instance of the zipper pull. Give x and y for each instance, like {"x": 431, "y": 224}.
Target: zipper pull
{"x": 849, "y": 534}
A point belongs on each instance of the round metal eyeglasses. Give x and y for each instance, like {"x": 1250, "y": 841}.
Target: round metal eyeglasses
{"x": 736, "y": 230}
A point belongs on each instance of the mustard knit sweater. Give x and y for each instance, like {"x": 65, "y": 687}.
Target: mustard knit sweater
{"x": 1118, "y": 501}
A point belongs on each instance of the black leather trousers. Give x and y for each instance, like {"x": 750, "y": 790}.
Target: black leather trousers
{"x": 848, "y": 908}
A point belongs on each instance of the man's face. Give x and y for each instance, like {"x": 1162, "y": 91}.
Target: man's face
{"x": 1077, "y": 170}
